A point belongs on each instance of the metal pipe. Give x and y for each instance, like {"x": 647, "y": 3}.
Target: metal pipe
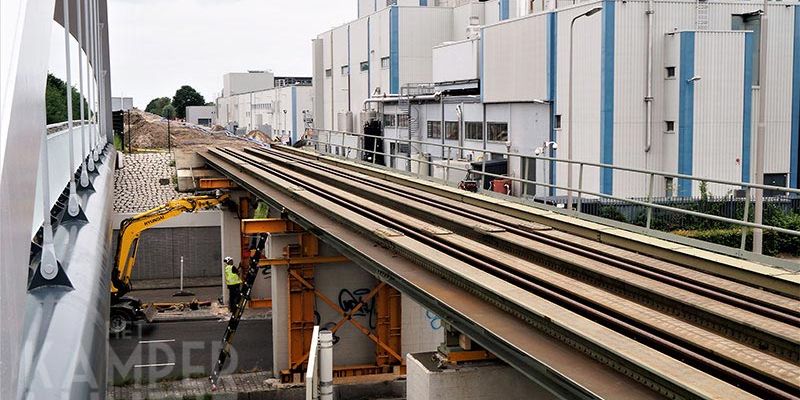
{"x": 388, "y": 98}
{"x": 326, "y": 365}
{"x": 648, "y": 97}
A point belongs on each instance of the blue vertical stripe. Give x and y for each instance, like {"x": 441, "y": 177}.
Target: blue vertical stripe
{"x": 503, "y": 10}
{"x": 480, "y": 63}
{"x": 423, "y": 3}
{"x": 794, "y": 174}
{"x": 394, "y": 62}
{"x": 607, "y": 96}
{"x": 686, "y": 111}
{"x": 294, "y": 114}
{"x": 369, "y": 61}
{"x": 747, "y": 105}
{"x": 552, "y": 58}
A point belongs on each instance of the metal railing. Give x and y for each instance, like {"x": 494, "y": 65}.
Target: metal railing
{"x": 327, "y": 140}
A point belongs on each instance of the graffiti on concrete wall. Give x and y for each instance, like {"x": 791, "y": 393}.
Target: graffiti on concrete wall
{"x": 434, "y": 320}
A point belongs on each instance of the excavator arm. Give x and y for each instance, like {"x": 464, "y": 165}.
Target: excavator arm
{"x": 131, "y": 229}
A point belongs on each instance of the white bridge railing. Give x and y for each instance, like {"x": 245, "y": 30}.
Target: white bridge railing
{"x": 348, "y": 145}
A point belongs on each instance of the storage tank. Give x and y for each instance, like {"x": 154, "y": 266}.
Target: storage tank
{"x": 345, "y": 121}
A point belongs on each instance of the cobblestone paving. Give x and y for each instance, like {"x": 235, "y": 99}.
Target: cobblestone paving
{"x": 229, "y": 387}
{"x": 144, "y": 182}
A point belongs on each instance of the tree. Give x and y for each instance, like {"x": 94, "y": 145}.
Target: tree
{"x": 156, "y": 105}
{"x": 186, "y": 96}
{"x": 56, "y": 101}
{"x": 168, "y": 112}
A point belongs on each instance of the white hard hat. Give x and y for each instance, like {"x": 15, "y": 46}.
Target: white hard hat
{"x": 229, "y": 260}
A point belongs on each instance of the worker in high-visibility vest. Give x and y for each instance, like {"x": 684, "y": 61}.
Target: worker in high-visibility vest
{"x": 234, "y": 284}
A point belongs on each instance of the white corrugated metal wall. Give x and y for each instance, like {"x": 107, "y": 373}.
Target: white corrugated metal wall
{"x": 420, "y": 28}
{"x": 514, "y": 69}
{"x": 717, "y": 151}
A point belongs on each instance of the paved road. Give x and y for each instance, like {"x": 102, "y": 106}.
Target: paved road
{"x": 187, "y": 349}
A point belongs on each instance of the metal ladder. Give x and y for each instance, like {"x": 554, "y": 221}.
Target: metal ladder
{"x": 233, "y": 324}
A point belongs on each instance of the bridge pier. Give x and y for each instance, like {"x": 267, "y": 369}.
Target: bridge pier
{"x": 489, "y": 380}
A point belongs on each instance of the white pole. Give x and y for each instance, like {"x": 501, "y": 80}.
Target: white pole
{"x": 758, "y": 238}
{"x": 84, "y": 172}
{"x": 89, "y": 86}
{"x": 326, "y": 365}
{"x": 181, "y": 274}
{"x": 49, "y": 264}
{"x": 73, "y": 205}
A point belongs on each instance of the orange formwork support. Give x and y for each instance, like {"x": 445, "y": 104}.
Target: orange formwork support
{"x": 387, "y": 330}
{"x": 217, "y": 183}
{"x": 301, "y": 313}
{"x": 268, "y": 225}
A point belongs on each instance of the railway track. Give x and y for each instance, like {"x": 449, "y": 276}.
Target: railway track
{"x": 730, "y": 331}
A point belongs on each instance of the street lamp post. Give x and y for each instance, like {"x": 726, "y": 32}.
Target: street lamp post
{"x": 593, "y": 11}
{"x": 758, "y": 233}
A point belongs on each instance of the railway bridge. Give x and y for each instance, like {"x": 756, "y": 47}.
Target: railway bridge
{"x": 583, "y": 310}
{"x": 568, "y": 306}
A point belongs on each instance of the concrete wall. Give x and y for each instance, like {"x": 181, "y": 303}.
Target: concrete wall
{"x": 488, "y": 381}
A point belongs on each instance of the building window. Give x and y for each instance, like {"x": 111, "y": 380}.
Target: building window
{"x": 497, "y": 131}
{"x": 473, "y": 130}
{"x": 328, "y": 73}
{"x": 451, "y": 130}
{"x": 402, "y": 120}
{"x": 388, "y": 120}
{"x": 345, "y": 70}
{"x": 364, "y": 66}
{"x": 670, "y": 72}
{"x": 434, "y": 130}
{"x": 385, "y": 63}
{"x": 669, "y": 126}
{"x": 557, "y": 122}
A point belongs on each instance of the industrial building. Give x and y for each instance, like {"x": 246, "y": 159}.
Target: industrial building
{"x": 201, "y": 115}
{"x": 277, "y": 106}
{"x": 668, "y": 86}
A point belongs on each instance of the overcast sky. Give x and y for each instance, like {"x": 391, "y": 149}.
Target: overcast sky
{"x": 159, "y": 45}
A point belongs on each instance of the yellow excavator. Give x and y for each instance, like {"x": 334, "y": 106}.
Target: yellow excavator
{"x": 125, "y": 310}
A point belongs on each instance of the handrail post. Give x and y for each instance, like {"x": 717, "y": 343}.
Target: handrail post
{"x": 483, "y": 171}
{"x": 650, "y": 200}
{"x": 447, "y": 166}
{"x": 374, "y": 149}
{"x": 345, "y": 151}
{"x": 745, "y": 217}
{"x": 580, "y": 185}
{"x": 524, "y": 165}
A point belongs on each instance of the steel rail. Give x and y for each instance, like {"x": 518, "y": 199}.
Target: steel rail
{"x": 765, "y": 306}
{"x": 263, "y": 173}
{"x": 434, "y": 295}
{"x": 292, "y": 162}
{"x": 698, "y": 360}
